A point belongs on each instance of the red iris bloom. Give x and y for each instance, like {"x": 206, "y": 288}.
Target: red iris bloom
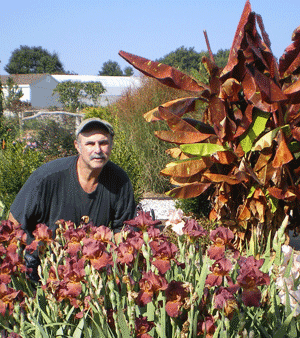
{"x": 193, "y": 230}
{"x": 150, "y": 284}
{"x": 142, "y": 326}
{"x": 219, "y": 270}
{"x": 163, "y": 253}
{"x": 222, "y": 240}
{"x": 142, "y": 221}
{"x": 175, "y": 297}
{"x": 249, "y": 278}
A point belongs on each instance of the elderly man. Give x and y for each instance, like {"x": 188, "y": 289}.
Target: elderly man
{"x": 76, "y": 186}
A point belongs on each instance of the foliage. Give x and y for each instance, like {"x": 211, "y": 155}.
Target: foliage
{"x": 53, "y": 139}
{"x": 139, "y": 284}
{"x": 124, "y": 153}
{"x": 18, "y": 159}
{"x": 33, "y": 60}
{"x": 73, "y": 94}
{"x": 1, "y": 100}
{"x": 151, "y": 151}
{"x": 112, "y": 68}
{"x": 247, "y": 148}
{"x": 12, "y": 100}
{"x": 188, "y": 60}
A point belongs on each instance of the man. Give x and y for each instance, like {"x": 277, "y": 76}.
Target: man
{"x": 76, "y": 186}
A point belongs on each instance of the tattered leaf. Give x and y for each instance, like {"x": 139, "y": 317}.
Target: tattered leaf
{"x": 180, "y": 137}
{"x": 201, "y": 149}
{"x": 163, "y": 73}
{"x": 266, "y": 140}
{"x": 283, "y": 154}
{"x": 237, "y": 40}
{"x": 186, "y": 168}
{"x": 178, "y": 107}
{"x": 217, "y": 178}
{"x": 189, "y": 190}
{"x": 281, "y": 194}
{"x": 257, "y": 127}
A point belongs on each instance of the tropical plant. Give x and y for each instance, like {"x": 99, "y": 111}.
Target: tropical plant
{"x": 247, "y": 147}
{"x": 140, "y": 284}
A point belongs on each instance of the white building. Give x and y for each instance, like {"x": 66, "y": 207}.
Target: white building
{"x": 37, "y": 88}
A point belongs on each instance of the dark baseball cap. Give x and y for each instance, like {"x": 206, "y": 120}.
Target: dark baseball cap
{"x": 94, "y": 122}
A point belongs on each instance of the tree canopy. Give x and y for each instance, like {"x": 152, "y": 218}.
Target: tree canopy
{"x": 73, "y": 93}
{"x": 187, "y": 59}
{"x": 33, "y": 60}
{"x": 112, "y": 68}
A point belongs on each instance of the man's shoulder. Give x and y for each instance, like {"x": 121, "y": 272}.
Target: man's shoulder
{"x": 56, "y": 166}
{"x": 115, "y": 172}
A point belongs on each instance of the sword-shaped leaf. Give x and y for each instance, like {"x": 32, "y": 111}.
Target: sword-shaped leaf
{"x": 163, "y": 73}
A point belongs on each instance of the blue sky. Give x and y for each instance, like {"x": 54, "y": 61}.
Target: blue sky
{"x": 85, "y": 34}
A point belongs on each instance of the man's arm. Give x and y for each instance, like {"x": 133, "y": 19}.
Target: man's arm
{"x": 12, "y": 219}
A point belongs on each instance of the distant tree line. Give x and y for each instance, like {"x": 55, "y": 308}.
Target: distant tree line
{"x": 37, "y": 60}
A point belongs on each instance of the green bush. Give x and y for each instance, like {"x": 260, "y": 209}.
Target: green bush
{"x": 53, "y": 139}
{"x": 17, "y": 161}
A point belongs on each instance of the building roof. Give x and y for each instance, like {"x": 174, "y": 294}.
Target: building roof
{"x": 107, "y": 81}
{"x": 23, "y": 79}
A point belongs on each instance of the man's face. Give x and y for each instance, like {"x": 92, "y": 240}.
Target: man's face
{"x": 94, "y": 148}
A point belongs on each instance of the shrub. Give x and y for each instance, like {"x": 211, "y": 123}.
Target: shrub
{"x": 18, "y": 160}
{"x": 54, "y": 139}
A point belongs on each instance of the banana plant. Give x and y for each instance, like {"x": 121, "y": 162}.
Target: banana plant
{"x": 246, "y": 149}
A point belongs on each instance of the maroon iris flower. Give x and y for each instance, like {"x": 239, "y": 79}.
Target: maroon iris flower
{"x": 224, "y": 299}
{"x": 176, "y": 294}
{"x": 96, "y": 253}
{"x": 249, "y": 278}
{"x": 150, "y": 285}
{"x": 163, "y": 253}
{"x": 142, "y": 221}
{"x": 219, "y": 269}
{"x": 193, "y": 230}
{"x": 142, "y": 326}
{"x": 222, "y": 240}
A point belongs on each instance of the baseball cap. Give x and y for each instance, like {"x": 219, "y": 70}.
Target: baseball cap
{"x": 94, "y": 122}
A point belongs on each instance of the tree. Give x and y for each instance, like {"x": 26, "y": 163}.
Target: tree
{"x": 72, "y": 93}
{"x": 33, "y": 60}
{"x": 1, "y": 100}
{"x": 112, "y": 68}
{"x": 188, "y": 60}
{"x": 128, "y": 71}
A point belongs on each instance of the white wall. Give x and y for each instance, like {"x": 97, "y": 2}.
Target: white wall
{"x": 41, "y": 93}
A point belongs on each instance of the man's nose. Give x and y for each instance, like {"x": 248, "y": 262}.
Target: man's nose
{"x": 98, "y": 148}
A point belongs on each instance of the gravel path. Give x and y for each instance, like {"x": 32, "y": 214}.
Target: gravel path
{"x": 161, "y": 207}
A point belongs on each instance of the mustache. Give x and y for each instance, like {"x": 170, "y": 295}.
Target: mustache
{"x": 102, "y": 157}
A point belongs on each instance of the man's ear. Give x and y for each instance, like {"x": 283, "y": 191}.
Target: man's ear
{"x": 77, "y": 146}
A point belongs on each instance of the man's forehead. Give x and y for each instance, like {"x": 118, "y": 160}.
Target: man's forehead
{"x": 95, "y": 133}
